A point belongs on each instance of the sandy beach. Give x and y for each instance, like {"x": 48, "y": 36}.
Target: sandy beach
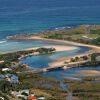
{"x": 57, "y": 47}
{"x": 73, "y": 78}
{"x": 89, "y": 73}
{"x": 34, "y": 37}
{"x": 62, "y": 61}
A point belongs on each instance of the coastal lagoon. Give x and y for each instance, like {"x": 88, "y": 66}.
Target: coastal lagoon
{"x": 42, "y": 61}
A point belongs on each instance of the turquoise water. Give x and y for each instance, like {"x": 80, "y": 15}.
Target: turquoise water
{"x": 14, "y": 45}
{"x": 33, "y": 16}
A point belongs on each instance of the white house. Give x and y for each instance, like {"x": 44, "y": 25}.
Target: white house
{"x": 98, "y": 58}
{"x": 24, "y": 91}
{"x": 2, "y": 98}
{"x": 22, "y": 96}
{"x": 20, "y": 92}
{"x": 32, "y": 95}
{"x": 41, "y": 98}
{"x": 5, "y": 69}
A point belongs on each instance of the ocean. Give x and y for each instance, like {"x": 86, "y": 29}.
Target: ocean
{"x": 34, "y": 16}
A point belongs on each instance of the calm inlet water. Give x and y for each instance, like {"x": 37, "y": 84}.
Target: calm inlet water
{"x": 42, "y": 61}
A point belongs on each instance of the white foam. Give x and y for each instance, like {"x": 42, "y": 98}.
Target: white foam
{"x": 2, "y": 41}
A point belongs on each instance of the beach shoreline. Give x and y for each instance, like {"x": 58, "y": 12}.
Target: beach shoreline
{"x": 88, "y": 73}
{"x": 61, "y": 61}
{"x": 57, "y": 48}
{"x": 36, "y": 37}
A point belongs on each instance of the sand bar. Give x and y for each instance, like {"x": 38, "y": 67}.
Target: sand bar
{"x": 57, "y": 47}
{"x": 89, "y": 73}
{"x": 73, "y": 78}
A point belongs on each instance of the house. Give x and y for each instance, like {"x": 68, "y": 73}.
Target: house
{"x": 2, "y": 61}
{"x": 32, "y": 98}
{"x": 22, "y": 96}
{"x": 1, "y": 98}
{"x": 98, "y": 58}
{"x": 24, "y": 91}
{"x": 15, "y": 93}
{"x": 41, "y": 98}
{"x": 5, "y": 69}
{"x": 32, "y": 95}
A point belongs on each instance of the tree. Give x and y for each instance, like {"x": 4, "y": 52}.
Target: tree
{"x": 76, "y": 58}
{"x": 72, "y": 60}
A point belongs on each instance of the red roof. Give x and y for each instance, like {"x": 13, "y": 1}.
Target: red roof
{"x": 31, "y": 97}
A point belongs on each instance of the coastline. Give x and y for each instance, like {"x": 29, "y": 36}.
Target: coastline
{"x": 36, "y": 37}
{"x": 61, "y": 61}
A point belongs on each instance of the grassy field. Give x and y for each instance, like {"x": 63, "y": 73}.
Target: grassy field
{"x": 77, "y": 34}
{"x": 37, "y": 85}
{"x": 87, "y": 89}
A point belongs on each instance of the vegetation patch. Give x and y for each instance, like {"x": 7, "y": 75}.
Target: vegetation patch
{"x": 77, "y": 34}
{"x": 87, "y": 89}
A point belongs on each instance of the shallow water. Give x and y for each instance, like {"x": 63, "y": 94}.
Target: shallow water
{"x": 42, "y": 61}
{"x": 14, "y": 45}
{"x": 74, "y": 72}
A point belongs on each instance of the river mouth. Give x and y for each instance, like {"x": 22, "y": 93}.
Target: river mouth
{"x": 42, "y": 61}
